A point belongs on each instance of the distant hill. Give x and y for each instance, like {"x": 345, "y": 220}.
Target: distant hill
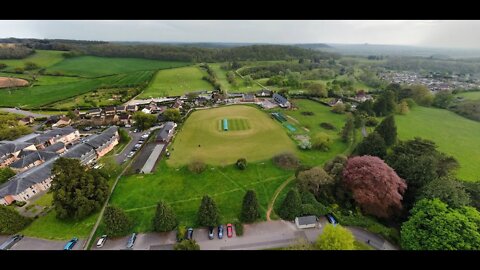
{"x": 313, "y": 46}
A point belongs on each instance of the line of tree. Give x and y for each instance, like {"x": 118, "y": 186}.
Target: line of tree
{"x": 14, "y": 51}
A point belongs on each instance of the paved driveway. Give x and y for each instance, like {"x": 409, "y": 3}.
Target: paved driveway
{"x": 29, "y": 243}
{"x": 150, "y": 241}
{"x": 135, "y": 138}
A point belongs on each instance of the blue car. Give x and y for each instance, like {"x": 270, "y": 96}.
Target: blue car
{"x": 220, "y": 232}
{"x": 70, "y": 244}
{"x": 331, "y": 219}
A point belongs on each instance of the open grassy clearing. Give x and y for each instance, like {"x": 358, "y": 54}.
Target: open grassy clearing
{"x": 470, "y": 95}
{"x": 235, "y": 124}
{"x": 176, "y": 82}
{"x": 93, "y": 66}
{"x": 183, "y": 190}
{"x": 239, "y": 82}
{"x": 37, "y": 96}
{"x": 454, "y": 135}
{"x": 310, "y": 125}
{"x": 42, "y": 58}
{"x": 264, "y": 139}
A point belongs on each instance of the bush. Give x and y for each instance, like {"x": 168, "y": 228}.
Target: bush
{"x": 238, "y": 229}
{"x": 197, "y": 166}
{"x": 327, "y": 126}
{"x": 305, "y": 145}
{"x": 307, "y": 113}
{"x": 181, "y": 232}
{"x": 286, "y": 161}
{"x": 187, "y": 245}
{"x": 165, "y": 218}
{"x": 241, "y": 163}
{"x": 11, "y": 221}
{"x": 321, "y": 142}
{"x": 19, "y": 203}
{"x": 371, "y": 121}
{"x": 19, "y": 70}
{"x": 117, "y": 223}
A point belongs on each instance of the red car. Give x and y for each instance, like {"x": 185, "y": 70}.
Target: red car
{"x": 229, "y": 230}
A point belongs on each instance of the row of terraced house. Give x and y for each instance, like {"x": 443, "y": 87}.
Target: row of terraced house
{"x": 32, "y": 158}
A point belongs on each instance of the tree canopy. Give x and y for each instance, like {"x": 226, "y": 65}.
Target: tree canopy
{"x": 250, "y": 207}
{"x": 388, "y": 130}
{"x": 291, "y": 206}
{"x": 165, "y": 218}
{"x": 448, "y": 190}
{"x": 335, "y": 238}
{"x": 144, "y": 120}
{"x": 375, "y": 186}
{"x": 372, "y": 145}
{"x": 435, "y": 226}
{"x": 117, "y": 223}
{"x": 208, "y": 214}
{"x": 11, "y": 221}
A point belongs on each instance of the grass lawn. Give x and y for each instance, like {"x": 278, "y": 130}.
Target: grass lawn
{"x": 177, "y": 81}
{"x": 238, "y": 87}
{"x": 37, "y": 96}
{"x": 454, "y": 135}
{"x": 265, "y": 138}
{"x": 470, "y": 95}
{"x": 183, "y": 190}
{"x": 45, "y": 200}
{"x": 310, "y": 125}
{"x": 93, "y": 66}
{"x": 49, "y": 227}
{"x": 42, "y": 58}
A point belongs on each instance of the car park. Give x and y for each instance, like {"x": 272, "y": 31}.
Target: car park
{"x": 101, "y": 241}
{"x": 131, "y": 240}
{"x": 189, "y": 234}
{"x": 210, "y": 233}
{"x": 220, "y": 231}
{"x": 229, "y": 230}
{"x": 11, "y": 242}
{"x": 70, "y": 244}
{"x": 331, "y": 218}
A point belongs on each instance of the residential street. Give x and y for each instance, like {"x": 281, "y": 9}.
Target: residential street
{"x": 29, "y": 243}
{"x": 135, "y": 138}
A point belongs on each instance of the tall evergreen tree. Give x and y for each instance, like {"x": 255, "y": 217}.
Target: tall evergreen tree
{"x": 208, "y": 212}
{"x": 117, "y": 223}
{"x": 372, "y": 145}
{"x": 385, "y": 104}
{"x": 250, "y": 207}
{"x": 388, "y": 130}
{"x": 291, "y": 206}
{"x": 347, "y": 131}
{"x": 165, "y": 219}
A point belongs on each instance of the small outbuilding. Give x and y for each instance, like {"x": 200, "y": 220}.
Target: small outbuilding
{"x": 306, "y": 222}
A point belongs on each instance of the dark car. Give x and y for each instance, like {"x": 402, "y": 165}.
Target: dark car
{"x": 229, "y": 230}
{"x": 189, "y": 234}
{"x": 331, "y": 218}
{"x": 210, "y": 233}
{"x": 70, "y": 244}
{"x": 10, "y": 242}
{"x": 131, "y": 241}
{"x": 220, "y": 232}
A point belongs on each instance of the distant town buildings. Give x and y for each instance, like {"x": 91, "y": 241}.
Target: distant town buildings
{"x": 433, "y": 81}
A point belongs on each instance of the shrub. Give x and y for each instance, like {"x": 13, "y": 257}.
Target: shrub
{"x": 181, "y": 232}
{"x": 11, "y": 221}
{"x": 291, "y": 205}
{"x": 307, "y": 113}
{"x": 327, "y": 126}
{"x": 19, "y": 203}
{"x": 197, "y": 166}
{"x": 238, "y": 229}
{"x": 19, "y": 70}
{"x": 250, "y": 207}
{"x": 322, "y": 142}
{"x": 286, "y": 161}
{"x": 117, "y": 223}
{"x": 241, "y": 163}
{"x": 187, "y": 245}
{"x": 371, "y": 121}
{"x": 165, "y": 219}
{"x": 305, "y": 145}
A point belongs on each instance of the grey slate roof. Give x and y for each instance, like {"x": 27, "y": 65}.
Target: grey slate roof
{"x": 12, "y": 147}
{"x": 42, "y": 138}
{"x": 307, "y": 220}
{"x": 98, "y": 140}
{"x": 26, "y": 179}
{"x": 33, "y": 157}
{"x": 54, "y": 147}
{"x": 163, "y": 134}
{"x": 279, "y": 98}
{"x": 79, "y": 151}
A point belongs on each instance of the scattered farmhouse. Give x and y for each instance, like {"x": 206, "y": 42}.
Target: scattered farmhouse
{"x": 281, "y": 101}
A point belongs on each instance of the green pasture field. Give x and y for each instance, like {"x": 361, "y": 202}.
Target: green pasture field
{"x": 42, "y": 58}
{"x": 474, "y": 95}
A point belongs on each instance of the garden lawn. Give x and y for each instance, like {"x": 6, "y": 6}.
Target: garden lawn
{"x": 200, "y": 137}
{"x": 454, "y": 135}
{"x": 176, "y": 82}
{"x": 49, "y": 227}
{"x": 470, "y": 95}
{"x": 42, "y": 58}
{"x": 183, "y": 190}
{"x": 310, "y": 125}
{"x": 94, "y": 66}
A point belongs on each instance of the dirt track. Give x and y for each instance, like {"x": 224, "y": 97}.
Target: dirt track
{"x": 12, "y": 82}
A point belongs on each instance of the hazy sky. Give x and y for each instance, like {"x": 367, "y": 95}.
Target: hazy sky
{"x": 455, "y": 34}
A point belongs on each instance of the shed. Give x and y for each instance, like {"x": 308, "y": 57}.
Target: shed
{"x": 306, "y": 222}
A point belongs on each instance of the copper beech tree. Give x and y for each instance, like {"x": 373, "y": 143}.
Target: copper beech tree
{"x": 376, "y": 188}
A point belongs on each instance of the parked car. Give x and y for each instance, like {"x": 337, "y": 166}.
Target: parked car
{"x": 130, "y": 154}
{"x": 331, "y": 218}
{"x": 210, "y": 233}
{"x": 128, "y": 126}
{"x": 229, "y": 230}
{"x": 220, "y": 232}
{"x": 189, "y": 234}
{"x": 70, "y": 244}
{"x": 101, "y": 241}
{"x": 131, "y": 241}
{"x": 11, "y": 242}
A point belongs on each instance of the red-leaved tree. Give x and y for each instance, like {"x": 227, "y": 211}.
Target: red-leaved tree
{"x": 376, "y": 187}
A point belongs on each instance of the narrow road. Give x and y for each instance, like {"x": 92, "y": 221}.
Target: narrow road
{"x": 279, "y": 189}
{"x": 23, "y": 112}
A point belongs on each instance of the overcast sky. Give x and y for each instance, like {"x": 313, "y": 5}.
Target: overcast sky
{"x": 454, "y": 34}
